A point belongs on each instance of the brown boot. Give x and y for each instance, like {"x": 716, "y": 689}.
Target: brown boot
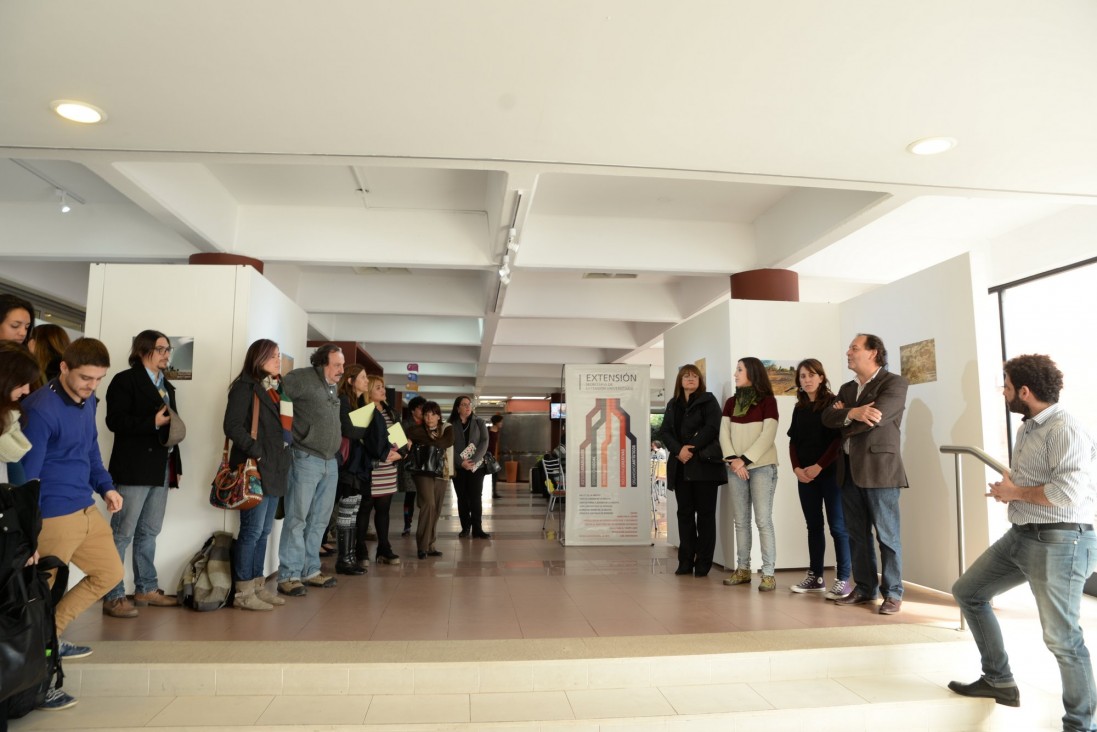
{"x": 156, "y": 598}
{"x": 120, "y": 608}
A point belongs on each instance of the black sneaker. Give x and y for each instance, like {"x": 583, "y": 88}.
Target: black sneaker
{"x": 56, "y": 700}
{"x": 1009, "y": 696}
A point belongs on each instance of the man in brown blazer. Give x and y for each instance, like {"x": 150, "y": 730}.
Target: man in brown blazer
{"x": 871, "y": 471}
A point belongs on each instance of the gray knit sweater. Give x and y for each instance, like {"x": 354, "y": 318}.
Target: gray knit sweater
{"x": 316, "y": 428}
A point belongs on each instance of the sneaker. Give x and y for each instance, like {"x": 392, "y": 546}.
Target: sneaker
{"x": 389, "y": 559}
{"x": 71, "y": 650}
{"x": 768, "y": 583}
{"x": 406, "y": 531}
{"x": 321, "y": 580}
{"x": 293, "y": 588}
{"x": 740, "y": 576}
{"x": 56, "y": 700}
{"x": 838, "y": 590}
{"x": 810, "y": 583}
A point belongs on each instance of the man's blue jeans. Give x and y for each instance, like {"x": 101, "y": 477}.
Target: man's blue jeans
{"x": 249, "y": 551}
{"x": 309, "y": 500}
{"x": 757, "y": 495}
{"x": 1055, "y": 563}
{"x": 139, "y": 522}
{"x": 868, "y": 509}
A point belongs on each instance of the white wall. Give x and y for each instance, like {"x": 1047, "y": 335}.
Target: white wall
{"x": 937, "y": 303}
{"x": 224, "y": 308}
{"x": 779, "y": 331}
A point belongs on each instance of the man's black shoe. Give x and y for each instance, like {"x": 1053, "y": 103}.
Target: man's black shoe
{"x": 1009, "y": 696}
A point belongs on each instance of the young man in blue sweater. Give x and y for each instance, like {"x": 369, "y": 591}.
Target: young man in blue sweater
{"x": 64, "y": 457}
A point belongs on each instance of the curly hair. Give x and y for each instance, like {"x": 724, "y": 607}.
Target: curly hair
{"x": 1039, "y": 373}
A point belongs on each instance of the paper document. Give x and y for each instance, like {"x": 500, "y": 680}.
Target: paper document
{"x": 397, "y": 436}
{"x": 362, "y": 417}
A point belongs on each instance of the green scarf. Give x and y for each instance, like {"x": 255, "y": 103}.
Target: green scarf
{"x": 745, "y": 398}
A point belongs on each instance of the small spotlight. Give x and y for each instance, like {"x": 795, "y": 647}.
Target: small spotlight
{"x": 82, "y": 112}
{"x": 931, "y": 145}
{"x": 65, "y": 207}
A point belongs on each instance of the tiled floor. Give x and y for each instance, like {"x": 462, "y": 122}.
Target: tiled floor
{"x": 520, "y": 584}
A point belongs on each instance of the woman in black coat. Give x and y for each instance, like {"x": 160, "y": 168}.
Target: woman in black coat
{"x": 258, "y": 380}
{"x": 691, "y": 432}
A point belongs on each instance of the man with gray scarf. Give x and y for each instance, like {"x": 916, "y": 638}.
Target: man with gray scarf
{"x": 313, "y": 473}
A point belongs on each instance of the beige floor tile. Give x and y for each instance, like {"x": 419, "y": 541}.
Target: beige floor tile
{"x": 95, "y": 713}
{"x": 286, "y": 710}
{"x": 204, "y": 711}
{"x": 801, "y": 694}
{"x": 613, "y": 703}
{"x": 315, "y": 680}
{"x": 249, "y": 680}
{"x": 113, "y": 680}
{"x": 506, "y": 677}
{"x": 525, "y": 706}
{"x": 419, "y": 709}
{"x": 714, "y": 698}
{"x": 894, "y": 688}
{"x": 450, "y": 678}
{"x": 382, "y": 678}
{"x": 183, "y": 680}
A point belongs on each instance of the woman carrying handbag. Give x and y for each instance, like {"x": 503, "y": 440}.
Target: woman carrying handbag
{"x": 256, "y": 387}
{"x": 427, "y": 464}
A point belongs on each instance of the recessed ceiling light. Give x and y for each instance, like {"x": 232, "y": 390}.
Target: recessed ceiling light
{"x": 81, "y": 112}
{"x": 931, "y": 145}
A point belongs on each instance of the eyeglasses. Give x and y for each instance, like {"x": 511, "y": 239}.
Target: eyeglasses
{"x": 163, "y": 349}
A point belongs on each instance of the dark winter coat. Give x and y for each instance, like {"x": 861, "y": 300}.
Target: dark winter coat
{"x": 695, "y": 422}
{"x": 269, "y": 447}
{"x": 138, "y": 457}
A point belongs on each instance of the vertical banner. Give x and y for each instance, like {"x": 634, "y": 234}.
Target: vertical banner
{"x": 608, "y": 433}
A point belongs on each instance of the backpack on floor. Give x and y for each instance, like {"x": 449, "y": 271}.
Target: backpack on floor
{"x": 206, "y": 583}
{"x": 29, "y": 649}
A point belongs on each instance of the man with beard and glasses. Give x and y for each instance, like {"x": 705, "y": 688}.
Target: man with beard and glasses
{"x": 1051, "y": 492}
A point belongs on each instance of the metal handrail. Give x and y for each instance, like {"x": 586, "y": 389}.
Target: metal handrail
{"x": 990, "y": 462}
{"x": 957, "y": 451}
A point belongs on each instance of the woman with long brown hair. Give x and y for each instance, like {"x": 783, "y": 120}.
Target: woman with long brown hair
{"x": 813, "y": 449}
{"x": 748, "y": 430}
{"x": 367, "y": 478}
{"x": 257, "y": 385}
{"x": 691, "y": 432}
{"x": 47, "y": 342}
{"x": 18, "y": 371}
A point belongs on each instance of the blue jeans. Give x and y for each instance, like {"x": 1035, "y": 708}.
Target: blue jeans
{"x": 309, "y": 501}
{"x": 1056, "y": 564}
{"x": 868, "y": 509}
{"x": 249, "y": 551}
{"x": 139, "y": 522}
{"x": 756, "y": 494}
{"x": 814, "y": 496}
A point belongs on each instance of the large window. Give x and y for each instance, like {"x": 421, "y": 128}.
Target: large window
{"x": 1054, "y": 313}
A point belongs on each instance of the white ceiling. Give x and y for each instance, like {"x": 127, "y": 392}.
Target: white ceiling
{"x": 375, "y": 154}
